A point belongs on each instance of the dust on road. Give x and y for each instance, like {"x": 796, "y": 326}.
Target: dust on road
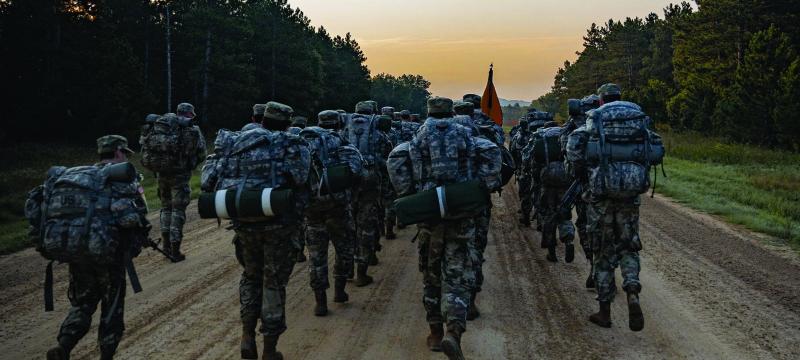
{"x": 709, "y": 291}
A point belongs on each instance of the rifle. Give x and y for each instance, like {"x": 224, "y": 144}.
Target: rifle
{"x": 568, "y": 201}
{"x": 150, "y": 243}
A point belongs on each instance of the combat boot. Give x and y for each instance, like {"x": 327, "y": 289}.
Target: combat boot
{"x": 603, "y": 317}
{"x": 270, "y": 352}
{"x": 435, "y": 337}
{"x": 451, "y": 343}
{"x": 390, "y": 235}
{"x": 635, "y": 315}
{"x": 590, "y": 281}
{"x": 321, "y": 309}
{"x": 551, "y": 252}
{"x": 57, "y": 353}
{"x": 372, "y": 260}
{"x": 569, "y": 253}
{"x": 248, "y": 347}
{"x": 339, "y": 295}
{"x": 472, "y": 311}
{"x": 362, "y": 279}
{"x": 167, "y": 247}
{"x": 177, "y": 256}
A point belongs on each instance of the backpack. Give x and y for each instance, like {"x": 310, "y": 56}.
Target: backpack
{"x": 442, "y": 153}
{"x": 620, "y": 150}
{"x": 335, "y": 165}
{"x": 409, "y": 129}
{"x": 545, "y": 151}
{"x": 75, "y": 216}
{"x": 253, "y": 161}
{"x": 168, "y": 144}
{"x": 363, "y": 134}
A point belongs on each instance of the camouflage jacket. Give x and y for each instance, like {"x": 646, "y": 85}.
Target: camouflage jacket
{"x": 482, "y": 119}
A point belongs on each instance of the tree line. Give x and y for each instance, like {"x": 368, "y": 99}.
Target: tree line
{"x": 76, "y": 69}
{"x": 726, "y": 68}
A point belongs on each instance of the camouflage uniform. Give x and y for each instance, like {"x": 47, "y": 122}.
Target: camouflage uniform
{"x": 446, "y": 249}
{"x": 91, "y": 284}
{"x": 267, "y": 248}
{"x": 524, "y": 177}
{"x": 174, "y": 191}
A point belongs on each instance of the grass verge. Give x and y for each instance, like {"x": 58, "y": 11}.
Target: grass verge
{"x": 749, "y": 186}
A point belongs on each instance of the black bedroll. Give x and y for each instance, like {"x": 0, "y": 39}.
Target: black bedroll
{"x": 644, "y": 152}
{"x": 334, "y": 179}
{"x": 449, "y": 202}
{"x": 247, "y": 204}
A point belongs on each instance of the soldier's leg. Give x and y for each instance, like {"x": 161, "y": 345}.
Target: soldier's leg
{"x": 546, "y": 211}
{"x": 279, "y": 259}
{"x": 317, "y": 237}
{"x": 580, "y": 224}
{"x": 390, "y": 219}
{"x": 181, "y": 195}
{"x": 601, "y": 231}
{"x": 458, "y": 277}
{"x": 343, "y": 244}
{"x": 629, "y": 247}
{"x": 526, "y": 201}
{"x": 84, "y": 293}
{"x": 481, "y": 241}
{"x": 367, "y": 220}
{"x": 301, "y": 239}
{"x": 250, "y": 293}
{"x": 112, "y": 323}
{"x": 165, "y": 216}
{"x": 566, "y": 231}
{"x": 432, "y": 253}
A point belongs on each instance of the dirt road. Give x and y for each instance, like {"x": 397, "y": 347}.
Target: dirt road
{"x": 710, "y": 292}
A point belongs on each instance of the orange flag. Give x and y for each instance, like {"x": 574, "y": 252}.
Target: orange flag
{"x": 490, "y": 103}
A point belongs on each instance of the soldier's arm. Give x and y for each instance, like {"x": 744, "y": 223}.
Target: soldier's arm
{"x": 201, "y": 152}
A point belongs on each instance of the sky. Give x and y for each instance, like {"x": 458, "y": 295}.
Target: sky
{"x": 452, "y": 42}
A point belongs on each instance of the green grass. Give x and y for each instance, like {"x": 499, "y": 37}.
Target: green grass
{"x": 24, "y": 166}
{"x": 754, "y": 187}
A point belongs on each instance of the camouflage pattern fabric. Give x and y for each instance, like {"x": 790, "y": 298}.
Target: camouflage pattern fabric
{"x": 481, "y": 241}
{"x": 482, "y": 119}
{"x": 613, "y": 228}
{"x": 448, "y": 270}
{"x": 90, "y": 285}
{"x": 268, "y": 255}
{"x": 553, "y": 221}
{"x": 324, "y": 229}
{"x": 175, "y": 195}
{"x": 367, "y": 213}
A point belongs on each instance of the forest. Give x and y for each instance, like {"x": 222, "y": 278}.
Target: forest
{"x": 75, "y": 69}
{"x": 726, "y": 68}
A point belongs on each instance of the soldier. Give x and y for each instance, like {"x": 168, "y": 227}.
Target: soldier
{"x": 524, "y": 178}
{"x": 329, "y": 216}
{"x": 546, "y": 159}
{"x": 91, "y": 283}
{"x": 267, "y": 246}
{"x": 186, "y": 148}
{"x": 482, "y": 119}
{"x": 445, "y": 258}
{"x": 612, "y": 196}
{"x": 299, "y": 122}
{"x": 388, "y": 194}
{"x": 577, "y": 110}
{"x": 414, "y": 118}
{"x": 361, "y": 131}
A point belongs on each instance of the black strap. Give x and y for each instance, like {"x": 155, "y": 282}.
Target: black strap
{"x": 131, "y": 269}
{"x": 48, "y": 287}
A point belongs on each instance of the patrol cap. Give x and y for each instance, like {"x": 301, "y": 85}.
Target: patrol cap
{"x": 112, "y": 143}
{"x": 277, "y": 111}
{"x": 387, "y": 110}
{"x": 364, "y": 107}
{"x": 374, "y": 106}
{"x": 609, "y": 89}
{"x": 186, "y": 108}
{"x": 405, "y": 114}
{"x": 474, "y": 99}
{"x": 151, "y": 118}
{"x": 299, "y": 121}
{"x": 590, "y": 102}
{"x": 440, "y": 105}
{"x": 258, "y": 109}
{"x": 463, "y": 107}
{"x": 328, "y": 116}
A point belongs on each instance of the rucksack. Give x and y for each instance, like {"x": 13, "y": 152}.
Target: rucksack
{"x": 364, "y": 135}
{"x": 76, "y": 214}
{"x": 546, "y": 145}
{"x": 168, "y": 144}
{"x": 620, "y": 150}
{"x": 442, "y": 153}
{"x": 335, "y": 166}
{"x": 255, "y": 160}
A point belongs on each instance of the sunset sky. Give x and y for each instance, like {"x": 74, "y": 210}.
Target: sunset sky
{"x": 452, "y": 42}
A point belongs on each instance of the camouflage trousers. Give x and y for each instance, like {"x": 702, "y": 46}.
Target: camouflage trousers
{"x": 367, "y": 226}
{"x": 330, "y": 228}
{"x": 448, "y": 270}
{"x": 268, "y": 257}
{"x": 524, "y": 187}
{"x": 613, "y": 227}
{"x": 580, "y": 225}
{"x": 88, "y": 286}
{"x": 549, "y": 201}
{"x": 479, "y": 248}
{"x": 175, "y": 194}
